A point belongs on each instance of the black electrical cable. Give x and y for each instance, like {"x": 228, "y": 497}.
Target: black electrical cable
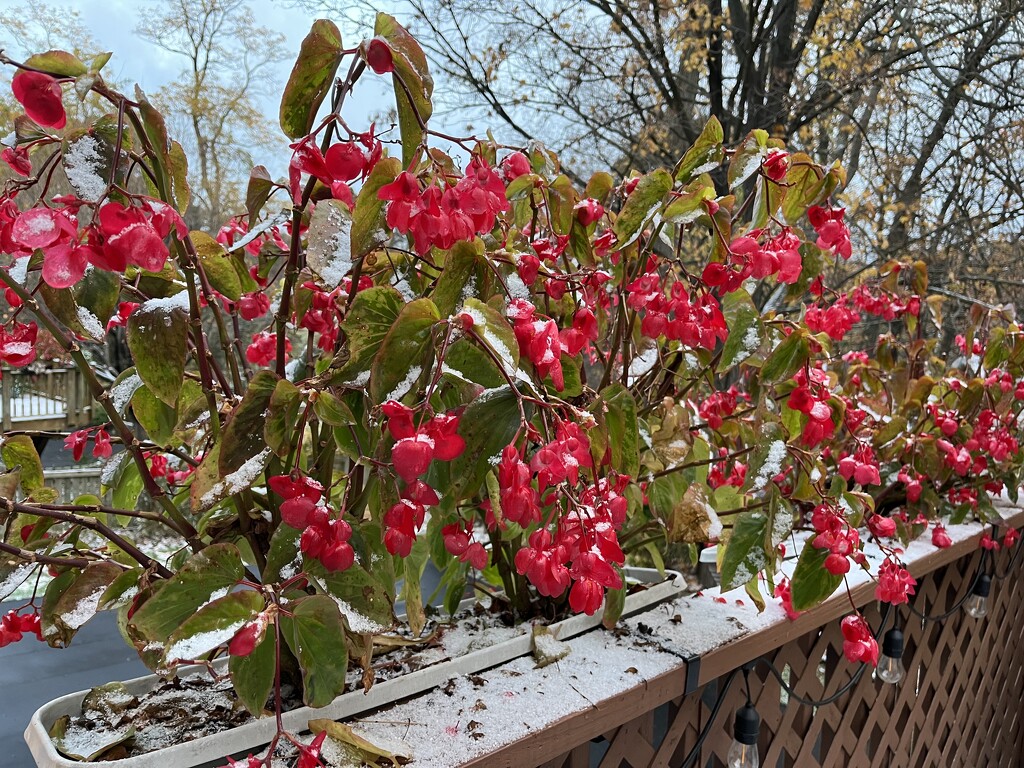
{"x": 838, "y": 694}
{"x": 959, "y": 603}
{"x": 1012, "y": 564}
{"x": 712, "y": 718}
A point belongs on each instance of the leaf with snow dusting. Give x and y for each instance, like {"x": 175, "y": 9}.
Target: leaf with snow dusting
{"x": 547, "y": 649}
{"x": 329, "y": 244}
{"x": 71, "y": 604}
{"x": 403, "y": 350}
{"x": 395, "y": 754}
{"x": 745, "y": 554}
{"x": 212, "y": 625}
{"x": 86, "y": 745}
{"x": 157, "y": 334}
{"x": 216, "y": 567}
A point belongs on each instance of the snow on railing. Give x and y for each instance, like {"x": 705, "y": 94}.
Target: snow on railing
{"x": 54, "y": 398}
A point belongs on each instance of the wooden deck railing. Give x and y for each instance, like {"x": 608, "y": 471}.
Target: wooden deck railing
{"x": 53, "y": 399}
{"x": 959, "y": 704}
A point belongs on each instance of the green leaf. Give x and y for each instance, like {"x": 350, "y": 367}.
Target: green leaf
{"x": 363, "y": 592}
{"x": 468, "y": 361}
{"x": 127, "y": 483}
{"x": 243, "y": 434}
{"x": 329, "y": 250}
{"x": 155, "y": 416}
{"x": 665, "y": 493}
{"x": 641, "y": 205}
{"x": 60, "y": 63}
{"x": 745, "y": 555}
{"x": 257, "y": 192}
{"x": 411, "y": 70}
{"x": 463, "y": 263}
{"x": 218, "y": 567}
{"x": 315, "y": 633}
{"x": 217, "y": 266}
{"x": 706, "y": 154}
{"x": 373, "y": 313}
{"x": 177, "y": 175}
{"x": 252, "y": 676}
{"x": 88, "y": 158}
{"x": 20, "y": 451}
{"x": 812, "y": 584}
{"x": 282, "y": 415}
{"x": 61, "y": 301}
{"x": 155, "y": 126}
{"x": 121, "y": 590}
{"x": 786, "y": 359}
{"x": 487, "y": 425}
{"x": 616, "y": 412}
{"x": 212, "y": 625}
{"x": 331, "y": 410}
{"x": 403, "y": 351}
{"x": 688, "y": 206}
{"x": 614, "y": 603}
{"x": 561, "y": 197}
{"x": 97, "y": 292}
{"x": 283, "y": 552}
{"x": 157, "y": 334}
{"x": 804, "y": 179}
{"x": 311, "y": 78}
{"x": 412, "y": 587}
{"x": 369, "y": 230}
{"x": 600, "y": 186}
{"x": 743, "y": 321}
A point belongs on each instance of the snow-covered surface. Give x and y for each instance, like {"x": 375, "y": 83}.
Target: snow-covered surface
{"x": 476, "y": 714}
{"x": 32, "y": 406}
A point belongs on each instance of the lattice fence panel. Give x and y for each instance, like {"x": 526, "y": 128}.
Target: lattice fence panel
{"x": 958, "y": 706}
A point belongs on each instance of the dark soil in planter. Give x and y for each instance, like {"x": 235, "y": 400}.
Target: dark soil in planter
{"x": 177, "y": 710}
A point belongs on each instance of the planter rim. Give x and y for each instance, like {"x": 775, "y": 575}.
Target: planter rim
{"x": 252, "y": 735}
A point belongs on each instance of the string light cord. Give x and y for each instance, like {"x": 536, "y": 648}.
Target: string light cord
{"x": 959, "y": 603}
{"x": 694, "y": 753}
{"x": 1010, "y": 566}
{"x": 838, "y": 694}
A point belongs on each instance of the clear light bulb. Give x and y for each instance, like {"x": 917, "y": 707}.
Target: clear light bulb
{"x": 743, "y": 756}
{"x": 977, "y": 604}
{"x": 743, "y": 752}
{"x": 890, "y": 663}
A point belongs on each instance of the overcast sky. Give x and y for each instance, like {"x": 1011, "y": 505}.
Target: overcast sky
{"x": 113, "y": 24}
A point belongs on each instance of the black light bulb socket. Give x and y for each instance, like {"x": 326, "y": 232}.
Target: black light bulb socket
{"x": 748, "y": 725}
{"x": 983, "y": 586}
{"x": 892, "y": 644}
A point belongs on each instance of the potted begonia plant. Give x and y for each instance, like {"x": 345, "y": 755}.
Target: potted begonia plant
{"x": 461, "y": 357}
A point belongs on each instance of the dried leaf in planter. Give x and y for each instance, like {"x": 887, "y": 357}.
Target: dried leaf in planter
{"x": 85, "y": 745}
{"x": 694, "y": 520}
{"x": 547, "y": 649}
{"x": 108, "y": 701}
{"x": 394, "y": 753}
